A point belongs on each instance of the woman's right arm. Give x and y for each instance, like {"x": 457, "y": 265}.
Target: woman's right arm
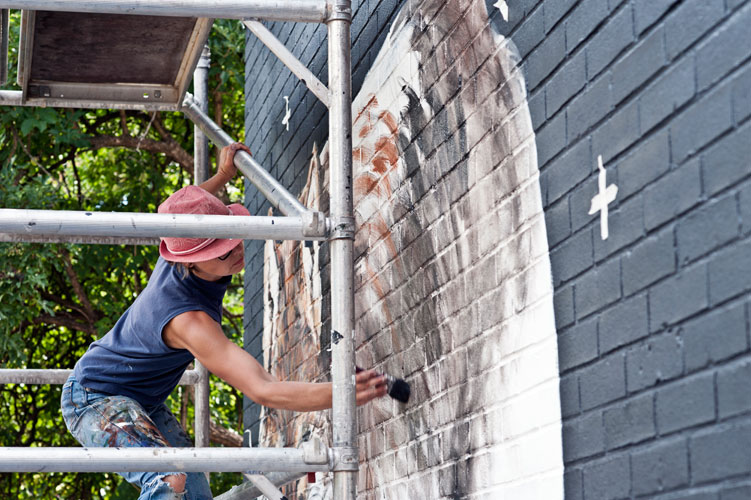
{"x": 204, "y": 338}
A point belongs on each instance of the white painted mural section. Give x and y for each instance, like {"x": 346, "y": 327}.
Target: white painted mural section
{"x": 453, "y": 276}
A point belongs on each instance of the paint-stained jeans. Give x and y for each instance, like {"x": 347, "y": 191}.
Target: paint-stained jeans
{"x": 102, "y": 420}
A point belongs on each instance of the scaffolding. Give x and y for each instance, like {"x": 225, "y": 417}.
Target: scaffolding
{"x": 280, "y": 465}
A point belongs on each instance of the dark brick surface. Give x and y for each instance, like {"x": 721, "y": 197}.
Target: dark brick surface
{"x": 668, "y": 93}
{"x": 730, "y": 272}
{"x": 724, "y": 49}
{"x": 624, "y": 323}
{"x": 598, "y": 288}
{"x": 656, "y": 360}
{"x": 728, "y": 162}
{"x": 583, "y": 20}
{"x": 648, "y": 261}
{"x": 745, "y": 209}
{"x": 722, "y": 451}
{"x": 672, "y": 195}
{"x": 638, "y": 65}
{"x": 565, "y": 83}
{"x": 660, "y": 467}
{"x": 608, "y": 479}
{"x": 678, "y": 297}
{"x": 733, "y": 394}
{"x": 569, "y": 169}
{"x": 629, "y": 423}
{"x": 617, "y": 133}
{"x": 742, "y": 96}
{"x": 602, "y": 382}
{"x": 687, "y": 403}
{"x": 714, "y": 112}
{"x": 646, "y": 12}
{"x": 689, "y": 23}
{"x": 715, "y": 337}
{"x": 583, "y": 437}
{"x": 644, "y": 165}
{"x": 626, "y": 225}
{"x": 708, "y": 228}
{"x": 610, "y": 41}
{"x": 577, "y": 344}
{"x": 736, "y": 493}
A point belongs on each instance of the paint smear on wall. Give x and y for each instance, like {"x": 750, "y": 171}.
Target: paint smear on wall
{"x": 453, "y": 287}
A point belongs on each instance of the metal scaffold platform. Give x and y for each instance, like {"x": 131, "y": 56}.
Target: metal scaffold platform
{"x": 65, "y": 46}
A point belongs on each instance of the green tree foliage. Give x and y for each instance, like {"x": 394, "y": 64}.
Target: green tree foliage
{"x": 56, "y": 299}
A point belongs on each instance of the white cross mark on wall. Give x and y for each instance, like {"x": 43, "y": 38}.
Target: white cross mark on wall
{"x": 287, "y": 112}
{"x": 603, "y": 199}
{"x": 503, "y": 7}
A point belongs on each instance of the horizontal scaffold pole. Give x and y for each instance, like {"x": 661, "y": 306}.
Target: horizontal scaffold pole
{"x": 87, "y": 240}
{"x": 62, "y": 223}
{"x": 19, "y": 459}
{"x": 311, "y": 11}
{"x": 58, "y": 377}
{"x": 277, "y": 195}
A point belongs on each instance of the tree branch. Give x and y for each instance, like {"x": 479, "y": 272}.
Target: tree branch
{"x": 224, "y": 436}
{"x": 170, "y": 141}
{"x": 62, "y": 302}
{"x": 173, "y": 150}
{"x": 66, "y": 321}
{"x": 91, "y": 315}
{"x": 123, "y": 122}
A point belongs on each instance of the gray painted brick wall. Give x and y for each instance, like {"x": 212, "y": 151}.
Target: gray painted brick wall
{"x": 653, "y": 323}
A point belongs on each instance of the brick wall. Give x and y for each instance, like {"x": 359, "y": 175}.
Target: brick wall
{"x": 287, "y": 155}
{"x": 454, "y": 290}
{"x": 653, "y": 323}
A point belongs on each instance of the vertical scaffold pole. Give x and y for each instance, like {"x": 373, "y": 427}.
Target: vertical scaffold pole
{"x": 342, "y": 241}
{"x": 201, "y": 174}
{"x": 201, "y": 91}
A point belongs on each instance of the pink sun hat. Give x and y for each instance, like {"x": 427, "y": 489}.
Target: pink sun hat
{"x": 195, "y": 200}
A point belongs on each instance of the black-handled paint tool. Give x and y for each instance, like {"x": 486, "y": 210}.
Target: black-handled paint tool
{"x": 397, "y": 388}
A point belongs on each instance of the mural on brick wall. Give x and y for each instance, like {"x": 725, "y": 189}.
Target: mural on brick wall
{"x": 453, "y": 287}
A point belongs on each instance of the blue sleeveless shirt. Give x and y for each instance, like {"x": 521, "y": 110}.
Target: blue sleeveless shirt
{"x": 132, "y": 359}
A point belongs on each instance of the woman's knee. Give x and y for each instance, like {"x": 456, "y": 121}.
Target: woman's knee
{"x": 176, "y": 481}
